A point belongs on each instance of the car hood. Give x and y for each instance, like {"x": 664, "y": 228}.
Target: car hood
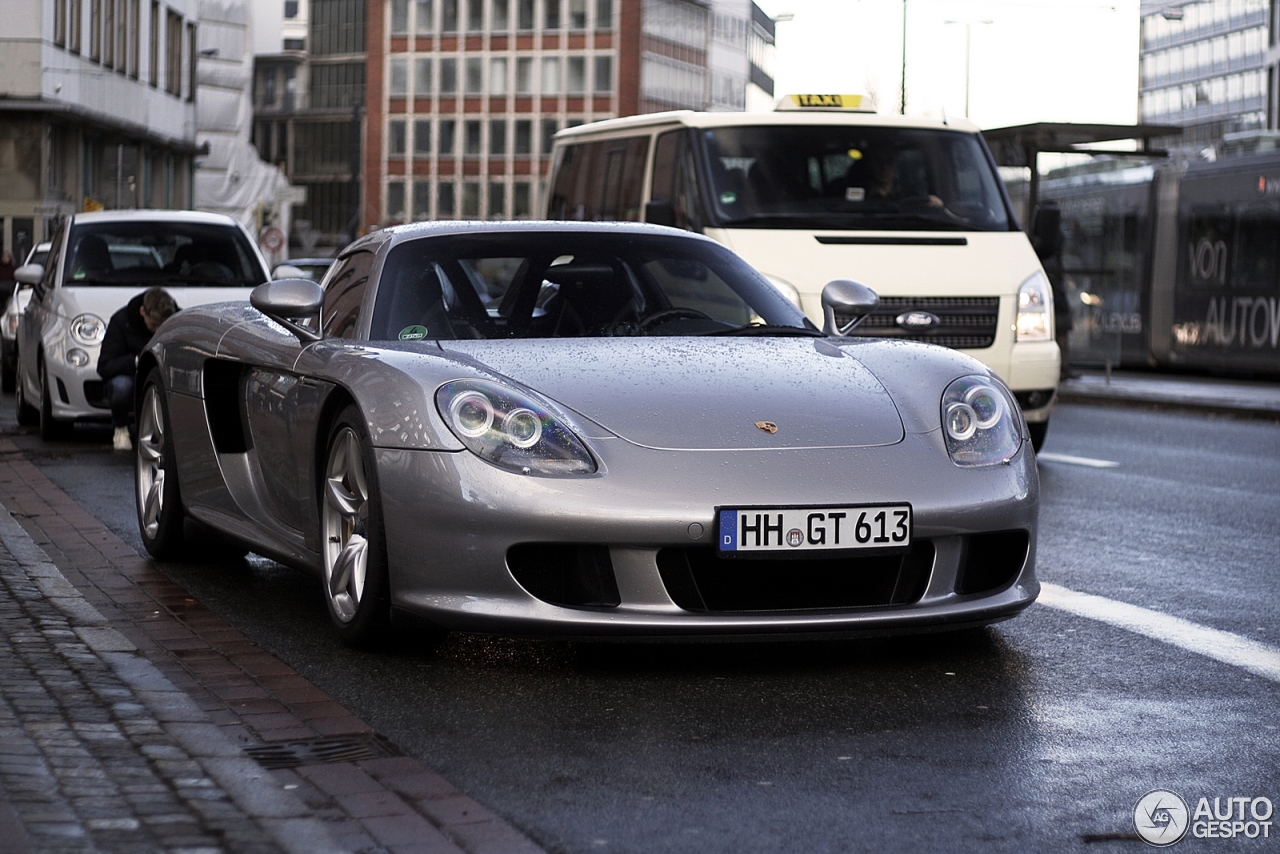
{"x": 703, "y": 393}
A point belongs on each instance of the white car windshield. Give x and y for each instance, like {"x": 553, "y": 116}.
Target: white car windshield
{"x": 137, "y": 253}
{"x": 849, "y": 177}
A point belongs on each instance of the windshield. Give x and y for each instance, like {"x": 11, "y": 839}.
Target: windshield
{"x": 843, "y": 177}
{"x": 173, "y": 253}
{"x": 573, "y": 285}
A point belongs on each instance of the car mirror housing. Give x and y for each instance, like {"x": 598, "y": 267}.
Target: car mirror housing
{"x": 289, "y": 300}
{"x": 29, "y": 274}
{"x": 849, "y": 298}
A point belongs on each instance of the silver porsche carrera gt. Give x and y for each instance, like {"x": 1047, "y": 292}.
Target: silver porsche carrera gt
{"x": 586, "y": 429}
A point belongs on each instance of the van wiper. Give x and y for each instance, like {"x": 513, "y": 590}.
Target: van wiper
{"x": 769, "y": 329}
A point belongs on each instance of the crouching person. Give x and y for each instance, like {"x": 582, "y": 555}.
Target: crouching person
{"x": 128, "y": 332}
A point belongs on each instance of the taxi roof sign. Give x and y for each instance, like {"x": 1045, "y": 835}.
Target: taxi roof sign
{"x": 858, "y": 103}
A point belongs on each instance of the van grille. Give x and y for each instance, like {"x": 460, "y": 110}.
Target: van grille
{"x": 967, "y": 323}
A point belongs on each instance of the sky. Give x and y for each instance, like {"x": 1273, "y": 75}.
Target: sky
{"x": 1029, "y": 60}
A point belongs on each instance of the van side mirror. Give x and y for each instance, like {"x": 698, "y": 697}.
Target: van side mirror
{"x": 660, "y": 212}
{"x": 29, "y": 274}
{"x": 849, "y": 298}
{"x": 1046, "y": 230}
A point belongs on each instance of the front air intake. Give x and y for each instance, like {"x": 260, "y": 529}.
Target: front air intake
{"x": 571, "y": 575}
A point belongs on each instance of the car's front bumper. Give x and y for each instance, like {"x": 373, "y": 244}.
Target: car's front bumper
{"x": 450, "y": 520}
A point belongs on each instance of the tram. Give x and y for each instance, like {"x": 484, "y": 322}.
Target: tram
{"x": 1176, "y": 265}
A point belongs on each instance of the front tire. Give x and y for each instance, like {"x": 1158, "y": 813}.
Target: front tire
{"x": 1038, "y": 430}
{"x": 158, "y": 501}
{"x": 351, "y": 536}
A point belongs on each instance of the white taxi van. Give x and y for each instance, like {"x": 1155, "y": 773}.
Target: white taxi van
{"x": 822, "y": 189}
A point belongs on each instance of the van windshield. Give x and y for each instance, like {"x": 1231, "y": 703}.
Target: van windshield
{"x": 842, "y": 177}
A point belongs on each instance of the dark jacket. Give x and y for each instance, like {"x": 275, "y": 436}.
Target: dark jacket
{"x": 127, "y": 336}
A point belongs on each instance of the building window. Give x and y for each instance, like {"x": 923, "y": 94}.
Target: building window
{"x": 109, "y": 34}
{"x": 497, "y": 200}
{"x": 471, "y": 199}
{"x": 396, "y": 143}
{"x": 604, "y": 75}
{"x": 173, "y": 54}
{"x": 422, "y": 137}
{"x": 524, "y": 136}
{"x": 577, "y": 14}
{"x": 421, "y": 200}
{"x": 576, "y": 75}
{"x": 399, "y": 17}
{"x": 475, "y": 16}
{"x": 95, "y": 30}
{"x": 448, "y": 16}
{"x": 399, "y": 82}
{"x": 446, "y": 202}
{"x": 471, "y": 138}
{"x": 192, "y": 54}
{"x": 604, "y": 14}
{"x": 521, "y": 206}
{"x": 498, "y": 75}
{"x": 448, "y": 77}
{"x": 60, "y": 23}
{"x": 337, "y": 27}
{"x": 551, "y": 20}
{"x": 73, "y": 27}
{"x": 291, "y": 8}
{"x": 501, "y": 16}
{"x": 524, "y": 75}
{"x": 498, "y": 137}
{"x": 474, "y": 76}
{"x": 395, "y": 200}
{"x": 337, "y": 85}
{"x": 549, "y": 128}
{"x": 267, "y": 77}
{"x": 448, "y": 138}
{"x": 135, "y": 37}
{"x": 153, "y": 73}
{"x": 551, "y": 75}
{"x": 424, "y": 19}
{"x": 524, "y": 14}
{"x": 422, "y": 78}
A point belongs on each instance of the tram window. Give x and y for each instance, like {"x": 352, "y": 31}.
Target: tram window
{"x": 1257, "y": 239}
{"x": 1209, "y": 239}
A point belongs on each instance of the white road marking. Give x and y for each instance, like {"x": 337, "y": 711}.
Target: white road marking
{"x": 1077, "y": 461}
{"x": 1245, "y": 653}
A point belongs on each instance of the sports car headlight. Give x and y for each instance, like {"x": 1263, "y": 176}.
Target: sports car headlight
{"x": 978, "y": 422}
{"x": 88, "y": 329}
{"x": 511, "y": 430}
{"x": 1035, "y": 299}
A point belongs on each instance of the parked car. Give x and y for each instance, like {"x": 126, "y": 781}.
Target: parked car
{"x": 13, "y": 308}
{"x": 96, "y": 263}
{"x": 580, "y": 428}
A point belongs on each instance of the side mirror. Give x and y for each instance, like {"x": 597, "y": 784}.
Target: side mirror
{"x": 1046, "y": 230}
{"x": 287, "y": 300}
{"x": 287, "y": 271}
{"x": 660, "y": 212}
{"x": 849, "y": 298}
{"x": 29, "y": 274}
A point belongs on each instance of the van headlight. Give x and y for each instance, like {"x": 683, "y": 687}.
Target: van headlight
{"x": 788, "y": 290}
{"x": 1035, "y": 306}
{"x": 979, "y": 422}
{"x": 511, "y": 430}
{"x": 88, "y": 329}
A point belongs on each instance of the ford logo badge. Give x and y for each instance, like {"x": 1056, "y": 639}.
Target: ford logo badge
{"x": 918, "y": 321}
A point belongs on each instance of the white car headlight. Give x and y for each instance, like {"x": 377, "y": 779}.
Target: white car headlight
{"x": 88, "y": 329}
{"x": 511, "y": 430}
{"x": 1035, "y": 309}
{"x": 979, "y": 422}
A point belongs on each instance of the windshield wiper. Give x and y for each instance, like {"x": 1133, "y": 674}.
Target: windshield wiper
{"x": 769, "y": 329}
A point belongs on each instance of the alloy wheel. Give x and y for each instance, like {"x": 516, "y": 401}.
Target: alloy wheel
{"x": 345, "y": 525}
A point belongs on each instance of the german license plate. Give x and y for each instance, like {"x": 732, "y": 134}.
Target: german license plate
{"x": 755, "y": 530}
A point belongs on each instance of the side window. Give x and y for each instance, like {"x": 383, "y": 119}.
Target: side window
{"x": 675, "y": 181}
{"x": 343, "y": 294}
{"x": 567, "y": 198}
{"x": 600, "y": 181}
{"x": 51, "y": 264}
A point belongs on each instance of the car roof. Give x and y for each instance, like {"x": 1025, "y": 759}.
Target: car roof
{"x": 153, "y": 215}
{"x": 692, "y": 118}
{"x": 399, "y": 233}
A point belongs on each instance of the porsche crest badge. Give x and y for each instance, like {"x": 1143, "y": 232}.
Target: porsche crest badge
{"x": 767, "y": 426}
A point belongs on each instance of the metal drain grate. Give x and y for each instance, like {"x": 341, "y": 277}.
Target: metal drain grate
{"x": 317, "y": 751}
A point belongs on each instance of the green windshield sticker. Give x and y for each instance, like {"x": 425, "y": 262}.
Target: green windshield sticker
{"x": 728, "y": 197}
{"x": 413, "y": 333}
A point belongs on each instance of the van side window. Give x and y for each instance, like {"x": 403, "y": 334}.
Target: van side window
{"x": 344, "y": 292}
{"x": 600, "y": 181}
{"x": 675, "y": 181}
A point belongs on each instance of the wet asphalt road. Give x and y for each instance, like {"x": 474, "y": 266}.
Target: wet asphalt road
{"x": 1038, "y": 734}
